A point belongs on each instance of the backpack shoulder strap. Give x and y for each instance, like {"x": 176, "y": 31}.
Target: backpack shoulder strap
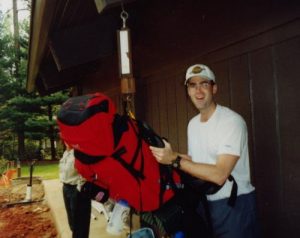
{"x": 233, "y": 194}
{"x": 119, "y": 126}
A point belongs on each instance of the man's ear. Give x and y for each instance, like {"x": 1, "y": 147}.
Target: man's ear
{"x": 215, "y": 89}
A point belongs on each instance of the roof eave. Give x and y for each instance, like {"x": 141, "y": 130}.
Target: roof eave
{"x": 42, "y": 14}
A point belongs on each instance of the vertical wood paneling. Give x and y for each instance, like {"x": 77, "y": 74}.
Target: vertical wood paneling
{"x": 259, "y": 78}
{"x": 163, "y": 115}
{"x": 181, "y": 114}
{"x": 222, "y": 79}
{"x": 287, "y": 74}
{"x": 240, "y": 97}
{"x": 155, "y": 106}
{"x": 239, "y": 87}
{"x": 261, "y": 86}
{"x": 150, "y": 106}
{"x": 267, "y": 158}
{"x": 172, "y": 112}
{"x": 141, "y": 99}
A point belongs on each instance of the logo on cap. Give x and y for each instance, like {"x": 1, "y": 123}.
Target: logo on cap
{"x": 197, "y": 70}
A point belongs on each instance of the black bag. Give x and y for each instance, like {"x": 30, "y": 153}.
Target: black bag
{"x": 178, "y": 214}
{"x": 166, "y": 220}
{"x": 207, "y": 188}
{"x": 198, "y": 185}
{"x": 95, "y": 192}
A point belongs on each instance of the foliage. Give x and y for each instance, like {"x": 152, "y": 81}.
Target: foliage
{"x": 24, "y": 117}
{"x": 3, "y": 165}
{"x": 8, "y": 148}
{"x": 30, "y": 148}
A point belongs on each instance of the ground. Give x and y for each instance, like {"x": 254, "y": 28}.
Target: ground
{"x": 29, "y": 220}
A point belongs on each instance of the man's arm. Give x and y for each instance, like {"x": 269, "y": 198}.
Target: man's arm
{"x": 217, "y": 173}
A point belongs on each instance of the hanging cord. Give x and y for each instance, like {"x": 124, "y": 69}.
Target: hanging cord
{"x": 127, "y": 100}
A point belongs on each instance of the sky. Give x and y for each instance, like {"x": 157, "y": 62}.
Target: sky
{"x": 6, "y": 8}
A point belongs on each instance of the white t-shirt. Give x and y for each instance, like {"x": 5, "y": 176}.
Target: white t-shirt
{"x": 224, "y": 133}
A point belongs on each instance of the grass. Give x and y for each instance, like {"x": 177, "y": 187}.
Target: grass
{"x": 43, "y": 170}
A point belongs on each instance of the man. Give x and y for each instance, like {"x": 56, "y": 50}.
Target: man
{"x": 217, "y": 149}
{"x": 77, "y": 204}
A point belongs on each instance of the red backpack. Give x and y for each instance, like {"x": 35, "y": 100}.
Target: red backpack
{"x": 112, "y": 151}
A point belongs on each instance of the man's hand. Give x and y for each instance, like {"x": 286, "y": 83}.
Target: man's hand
{"x": 164, "y": 155}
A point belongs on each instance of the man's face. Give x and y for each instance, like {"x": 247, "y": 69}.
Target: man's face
{"x": 201, "y": 92}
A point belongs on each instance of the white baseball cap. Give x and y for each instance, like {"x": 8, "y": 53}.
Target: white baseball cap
{"x": 200, "y": 70}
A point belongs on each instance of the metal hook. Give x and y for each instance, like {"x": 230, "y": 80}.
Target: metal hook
{"x": 124, "y": 15}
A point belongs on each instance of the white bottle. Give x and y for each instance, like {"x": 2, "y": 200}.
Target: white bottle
{"x": 118, "y": 218}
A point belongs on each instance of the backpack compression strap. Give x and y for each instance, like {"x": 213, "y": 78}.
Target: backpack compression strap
{"x": 117, "y": 155}
{"x": 120, "y": 125}
{"x": 166, "y": 181}
{"x": 87, "y": 159}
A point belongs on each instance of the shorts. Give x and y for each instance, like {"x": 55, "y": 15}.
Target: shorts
{"x": 239, "y": 221}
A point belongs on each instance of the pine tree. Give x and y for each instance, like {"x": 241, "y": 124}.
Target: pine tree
{"x": 23, "y": 116}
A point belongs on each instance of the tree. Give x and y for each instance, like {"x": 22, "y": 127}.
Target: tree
{"x": 14, "y": 68}
{"x": 25, "y": 116}
{"x": 50, "y": 102}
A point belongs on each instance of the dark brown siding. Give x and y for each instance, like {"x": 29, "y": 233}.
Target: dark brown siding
{"x": 287, "y": 71}
{"x": 255, "y": 56}
{"x": 260, "y": 83}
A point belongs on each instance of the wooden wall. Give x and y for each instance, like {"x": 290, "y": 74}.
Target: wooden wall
{"x": 256, "y": 62}
{"x": 261, "y": 84}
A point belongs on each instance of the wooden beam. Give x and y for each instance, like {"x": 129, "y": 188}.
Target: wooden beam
{"x": 41, "y": 17}
{"x": 86, "y": 43}
{"x": 52, "y": 78}
{"x": 102, "y": 5}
